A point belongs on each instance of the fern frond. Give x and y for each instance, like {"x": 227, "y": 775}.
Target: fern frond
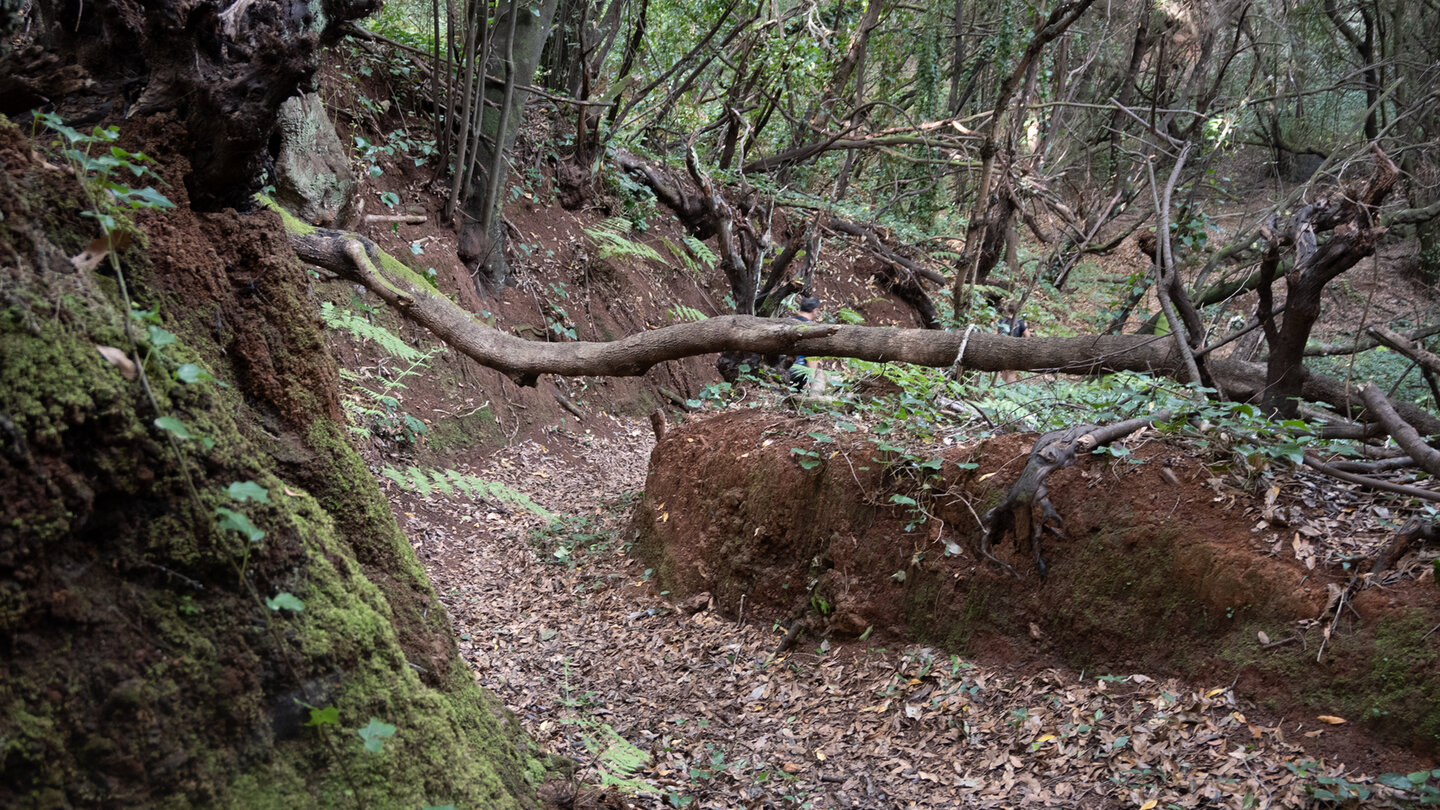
{"x": 362, "y": 330}
{"x": 441, "y": 483}
{"x": 681, "y": 255}
{"x": 611, "y": 241}
{"x": 702, "y": 252}
{"x": 680, "y": 312}
{"x": 616, "y": 758}
{"x": 419, "y": 482}
{"x": 448, "y": 482}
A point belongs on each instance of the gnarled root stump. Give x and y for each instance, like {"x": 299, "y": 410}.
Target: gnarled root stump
{"x": 1053, "y": 451}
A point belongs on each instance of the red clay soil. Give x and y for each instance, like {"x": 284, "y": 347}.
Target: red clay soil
{"x": 1159, "y": 572}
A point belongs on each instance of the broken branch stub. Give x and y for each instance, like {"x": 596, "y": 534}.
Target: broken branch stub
{"x": 1053, "y": 451}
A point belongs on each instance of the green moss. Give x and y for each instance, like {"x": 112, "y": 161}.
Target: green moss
{"x": 450, "y": 434}
{"x": 153, "y": 674}
{"x": 1401, "y": 687}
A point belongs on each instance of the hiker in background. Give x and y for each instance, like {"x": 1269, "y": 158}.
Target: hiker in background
{"x": 1012, "y": 325}
{"x": 802, "y": 370}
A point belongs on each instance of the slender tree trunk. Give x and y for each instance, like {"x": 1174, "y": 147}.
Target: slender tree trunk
{"x": 482, "y": 242}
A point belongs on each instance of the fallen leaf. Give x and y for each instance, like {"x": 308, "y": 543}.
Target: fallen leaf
{"x": 118, "y": 359}
{"x": 99, "y": 247}
{"x": 1331, "y": 719}
{"x": 1149, "y": 804}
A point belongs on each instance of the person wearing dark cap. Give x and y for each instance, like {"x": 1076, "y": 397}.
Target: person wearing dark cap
{"x": 808, "y": 311}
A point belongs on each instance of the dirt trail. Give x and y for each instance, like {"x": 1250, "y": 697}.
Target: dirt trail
{"x": 690, "y": 708}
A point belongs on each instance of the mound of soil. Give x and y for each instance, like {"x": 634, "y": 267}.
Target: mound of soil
{"x": 1159, "y": 571}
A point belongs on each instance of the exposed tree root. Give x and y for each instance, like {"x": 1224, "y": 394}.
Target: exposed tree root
{"x": 1415, "y": 531}
{"x": 1055, "y": 450}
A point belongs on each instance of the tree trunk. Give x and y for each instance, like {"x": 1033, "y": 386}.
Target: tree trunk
{"x": 359, "y": 260}
{"x": 224, "y": 76}
{"x": 482, "y": 234}
{"x": 1355, "y": 234}
{"x": 143, "y": 666}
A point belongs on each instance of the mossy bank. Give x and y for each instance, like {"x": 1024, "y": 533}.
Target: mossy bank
{"x": 150, "y": 658}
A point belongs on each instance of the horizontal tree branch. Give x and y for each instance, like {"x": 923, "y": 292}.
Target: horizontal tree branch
{"x": 357, "y": 259}
{"x": 1365, "y": 345}
{"x": 1407, "y": 347}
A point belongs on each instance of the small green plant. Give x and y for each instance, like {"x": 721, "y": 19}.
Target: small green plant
{"x": 694, "y": 256}
{"x": 680, "y": 312}
{"x": 398, "y": 144}
{"x": 375, "y": 733}
{"x": 373, "y": 405}
{"x": 565, "y": 537}
{"x": 612, "y": 242}
{"x": 100, "y": 171}
{"x": 362, "y": 330}
{"x": 428, "y": 482}
{"x": 807, "y": 459}
{"x": 1416, "y": 784}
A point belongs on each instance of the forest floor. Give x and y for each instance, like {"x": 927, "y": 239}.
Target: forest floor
{"x": 674, "y": 706}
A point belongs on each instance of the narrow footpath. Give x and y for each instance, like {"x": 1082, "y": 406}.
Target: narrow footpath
{"x": 672, "y": 705}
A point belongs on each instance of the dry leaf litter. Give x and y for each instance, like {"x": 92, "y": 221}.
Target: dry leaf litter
{"x": 668, "y": 704}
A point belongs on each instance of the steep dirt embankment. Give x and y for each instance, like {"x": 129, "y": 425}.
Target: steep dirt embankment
{"x": 1159, "y": 573}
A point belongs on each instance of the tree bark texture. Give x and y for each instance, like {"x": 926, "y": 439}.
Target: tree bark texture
{"x": 482, "y": 235}
{"x": 223, "y": 74}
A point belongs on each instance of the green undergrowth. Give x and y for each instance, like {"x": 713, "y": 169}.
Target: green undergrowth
{"x": 433, "y": 481}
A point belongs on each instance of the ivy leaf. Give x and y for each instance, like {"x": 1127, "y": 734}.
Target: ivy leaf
{"x": 285, "y": 601}
{"x": 248, "y": 491}
{"x": 148, "y": 198}
{"x": 1394, "y": 780}
{"x": 174, "y": 426}
{"x": 191, "y": 374}
{"x": 375, "y": 734}
{"x": 328, "y": 716}
{"x": 234, "y": 521}
{"x": 160, "y": 338}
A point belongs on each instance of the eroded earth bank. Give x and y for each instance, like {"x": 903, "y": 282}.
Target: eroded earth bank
{"x": 1170, "y": 567}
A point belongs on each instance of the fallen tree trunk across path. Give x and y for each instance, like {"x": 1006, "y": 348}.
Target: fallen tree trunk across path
{"x": 358, "y": 259}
